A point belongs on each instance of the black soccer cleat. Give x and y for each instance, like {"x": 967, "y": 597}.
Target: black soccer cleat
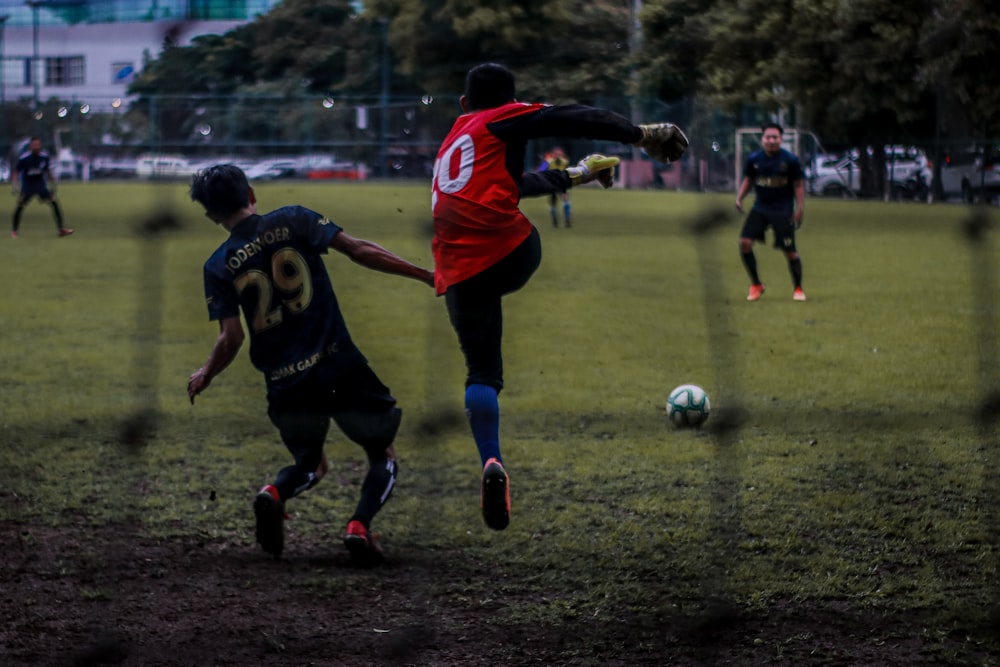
{"x": 270, "y": 513}
{"x": 494, "y": 495}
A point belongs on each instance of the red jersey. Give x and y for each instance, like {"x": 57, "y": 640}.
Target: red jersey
{"x": 475, "y": 198}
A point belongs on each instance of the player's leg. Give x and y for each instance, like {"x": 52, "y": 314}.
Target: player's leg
{"x": 784, "y": 240}
{"x": 567, "y": 209}
{"x": 552, "y": 209}
{"x": 367, "y": 414}
{"x": 304, "y": 432}
{"x": 61, "y": 229}
{"x": 22, "y": 200}
{"x": 753, "y": 230}
{"x": 475, "y": 310}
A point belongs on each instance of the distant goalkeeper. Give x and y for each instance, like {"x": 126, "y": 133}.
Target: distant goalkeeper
{"x": 556, "y": 159}
{"x": 484, "y": 246}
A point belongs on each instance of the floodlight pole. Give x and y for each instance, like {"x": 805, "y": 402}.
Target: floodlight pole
{"x": 34, "y": 4}
{"x": 383, "y": 168}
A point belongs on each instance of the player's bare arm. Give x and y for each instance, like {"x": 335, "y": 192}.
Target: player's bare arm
{"x": 800, "y": 201}
{"x": 373, "y": 256}
{"x": 744, "y": 189}
{"x": 227, "y": 345}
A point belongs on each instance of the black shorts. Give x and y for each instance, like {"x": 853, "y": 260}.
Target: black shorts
{"x": 29, "y": 191}
{"x": 784, "y": 229}
{"x": 363, "y": 408}
{"x": 477, "y": 316}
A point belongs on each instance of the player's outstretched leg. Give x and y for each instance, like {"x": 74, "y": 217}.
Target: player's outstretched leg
{"x": 483, "y": 410}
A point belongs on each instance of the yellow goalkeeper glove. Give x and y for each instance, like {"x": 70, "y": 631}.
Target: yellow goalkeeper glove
{"x": 594, "y": 167}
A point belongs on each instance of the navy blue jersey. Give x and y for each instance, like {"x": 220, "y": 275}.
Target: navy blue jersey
{"x": 32, "y": 169}
{"x": 271, "y": 267}
{"x": 773, "y": 179}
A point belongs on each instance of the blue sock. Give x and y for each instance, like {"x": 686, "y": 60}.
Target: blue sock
{"x": 566, "y": 210}
{"x": 483, "y": 410}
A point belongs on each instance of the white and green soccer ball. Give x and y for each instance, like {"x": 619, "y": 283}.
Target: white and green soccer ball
{"x": 688, "y": 406}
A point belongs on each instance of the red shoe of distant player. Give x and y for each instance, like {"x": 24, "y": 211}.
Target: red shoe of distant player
{"x": 756, "y": 291}
{"x": 65, "y": 231}
{"x": 494, "y": 495}
{"x": 13, "y": 235}
{"x": 270, "y": 513}
{"x": 363, "y": 544}
{"x": 798, "y": 294}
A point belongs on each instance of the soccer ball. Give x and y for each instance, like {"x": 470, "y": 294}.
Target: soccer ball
{"x": 688, "y": 406}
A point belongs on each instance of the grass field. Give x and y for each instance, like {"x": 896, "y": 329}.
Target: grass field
{"x": 842, "y": 509}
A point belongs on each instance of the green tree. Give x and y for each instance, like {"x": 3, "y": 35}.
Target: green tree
{"x": 561, "y": 50}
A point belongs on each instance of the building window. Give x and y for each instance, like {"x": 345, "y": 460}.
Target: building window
{"x": 65, "y": 71}
{"x": 13, "y": 71}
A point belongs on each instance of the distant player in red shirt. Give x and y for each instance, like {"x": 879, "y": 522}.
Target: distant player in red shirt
{"x": 484, "y": 246}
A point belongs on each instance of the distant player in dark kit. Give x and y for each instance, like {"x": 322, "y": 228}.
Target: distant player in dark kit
{"x": 271, "y": 268}
{"x": 34, "y": 175}
{"x": 776, "y": 175}
{"x": 485, "y": 247}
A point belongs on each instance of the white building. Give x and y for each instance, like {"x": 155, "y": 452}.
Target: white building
{"x": 90, "y": 50}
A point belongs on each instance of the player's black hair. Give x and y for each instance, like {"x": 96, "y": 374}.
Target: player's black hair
{"x": 222, "y": 189}
{"x": 766, "y": 126}
{"x": 488, "y": 85}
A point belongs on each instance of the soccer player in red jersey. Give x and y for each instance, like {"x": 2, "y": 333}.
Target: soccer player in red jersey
{"x": 484, "y": 246}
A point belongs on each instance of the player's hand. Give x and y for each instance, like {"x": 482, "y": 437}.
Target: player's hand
{"x": 197, "y": 383}
{"x": 594, "y": 167}
{"x": 663, "y": 141}
{"x": 797, "y": 218}
{"x": 739, "y": 206}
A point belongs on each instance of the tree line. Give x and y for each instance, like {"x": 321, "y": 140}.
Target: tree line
{"x": 857, "y": 73}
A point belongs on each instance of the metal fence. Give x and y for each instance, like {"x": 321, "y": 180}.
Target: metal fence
{"x": 398, "y": 136}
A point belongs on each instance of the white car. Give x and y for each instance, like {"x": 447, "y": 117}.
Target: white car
{"x": 270, "y": 170}
{"x": 971, "y": 176}
{"x": 838, "y": 177}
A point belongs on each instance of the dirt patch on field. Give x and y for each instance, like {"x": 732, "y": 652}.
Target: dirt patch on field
{"x": 102, "y": 596}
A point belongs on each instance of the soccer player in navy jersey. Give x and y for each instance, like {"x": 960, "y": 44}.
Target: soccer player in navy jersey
{"x": 33, "y": 175}
{"x": 776, "y": 175}
{"x": 271, "y": 268}
{"x": 484, "y": 246}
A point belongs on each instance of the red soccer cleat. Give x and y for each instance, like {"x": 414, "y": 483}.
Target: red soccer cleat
{"x": 270, "y": 513}
{"x": 363, "y": 544}
{"x": 756, "y": 291}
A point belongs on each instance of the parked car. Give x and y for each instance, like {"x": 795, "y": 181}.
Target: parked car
{"x": 837, "y": 177}
{"x": 271, "y": 170}
{"x": 163, "y": 166}
{"x": 971, "y": 175}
